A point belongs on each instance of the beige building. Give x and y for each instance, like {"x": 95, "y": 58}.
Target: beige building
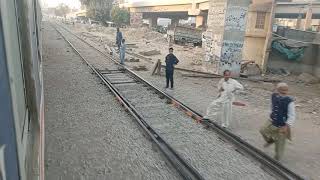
{"x": 258, "y": 20}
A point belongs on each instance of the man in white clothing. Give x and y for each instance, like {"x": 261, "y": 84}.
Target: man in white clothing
{"x": 223, "y": 103}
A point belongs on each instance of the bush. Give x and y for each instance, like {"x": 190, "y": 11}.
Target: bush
{"x": 62, "y": 10}
{"x": 120, "y": 16}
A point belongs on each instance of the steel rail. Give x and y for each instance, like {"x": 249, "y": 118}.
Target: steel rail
{"x": 181, "y": 165}
{"x": 275, "y": 166}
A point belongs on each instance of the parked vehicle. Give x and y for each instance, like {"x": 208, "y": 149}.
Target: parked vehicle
{"x": 185, "y": 34}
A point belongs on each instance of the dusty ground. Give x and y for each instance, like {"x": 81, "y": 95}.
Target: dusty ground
{"x": 143, "y": 39}
{"x": 302, "y": 154}
{"x": 213, "y": 158}
{"x": 89, "y": 136}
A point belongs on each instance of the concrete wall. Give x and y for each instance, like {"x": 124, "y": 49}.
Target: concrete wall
{"x": 306, "y": 36}
{"x": 255, "y": 38}
{"x": 309, "y": 63}
{"x": 225, "y": 35}
{"x": 253, "y": 49}
{"x": 292, "y": 23}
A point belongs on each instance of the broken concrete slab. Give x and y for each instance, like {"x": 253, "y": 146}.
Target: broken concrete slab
{"x": 250, "y": 69}
{"x": 307, "y": 78}
{"x": 262, "y": 79}
{"x": 268, "y": 86}
{"x": 278, "y": 71}
{"x": 134, "y": 60}
{"x": 150, "y": 53}
{"x": 132, "y": 46}
{"x": 107, "y": 48}
{"x": 140, "y": 68}
{"x": 199, "y": 76}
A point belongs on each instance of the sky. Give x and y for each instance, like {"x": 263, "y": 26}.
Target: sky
{"x": 54, "y": 3}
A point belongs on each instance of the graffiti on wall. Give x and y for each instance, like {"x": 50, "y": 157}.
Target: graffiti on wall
{"x": 217, "y": 44}
{"x": 231, "y": 51}
{"x": 215, "y": 31}
{"x": 209, "y": 41}
{"x": 236, "y": 18}
{"x": 213, "y": 43}
{"x": 231, "y": 56}
{"x": 234, "y": 67}
{"x": 224, "y": 19}
{"x": 217, "y": 15}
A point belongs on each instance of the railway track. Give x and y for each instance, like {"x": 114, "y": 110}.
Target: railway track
{"x": 196, "y": 153}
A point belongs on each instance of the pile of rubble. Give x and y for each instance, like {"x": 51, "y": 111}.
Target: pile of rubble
{"x": 139, "y": 34}
{"x": 307, "y": 79}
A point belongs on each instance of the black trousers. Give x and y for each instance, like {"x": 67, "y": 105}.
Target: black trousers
{"x": 169, "y": 77}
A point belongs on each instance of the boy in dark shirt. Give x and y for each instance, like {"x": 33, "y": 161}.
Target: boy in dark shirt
{"x": 119, "y": 38}
{"x": 171, "y": 61}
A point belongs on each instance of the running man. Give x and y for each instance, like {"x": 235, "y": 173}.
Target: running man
{"x": 282, "y": 117}
{"x": 223, "y": 103}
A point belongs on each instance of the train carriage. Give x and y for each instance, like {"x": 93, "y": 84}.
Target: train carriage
{"x": 21, "y": 91}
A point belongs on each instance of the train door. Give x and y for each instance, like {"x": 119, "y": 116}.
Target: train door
{"x": 8, "y": 150}
{"x": 14, "y": 141}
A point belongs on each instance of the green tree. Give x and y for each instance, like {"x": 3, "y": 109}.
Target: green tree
{"x": 120, "y": 16}
{"x": 62, "y": 10}
{"x": 98, "y": 9}
{"x": 85, "y": 2}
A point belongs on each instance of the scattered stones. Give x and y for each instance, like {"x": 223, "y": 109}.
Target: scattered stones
{"x": 268, "y": 86}
{"x": 183, "y": 134}
{"x": 140, "y": 68}
{"x": 307, "y": 78}
{"x": 278, "y": 71}
{"x": 132, "y": 46}
{"x": 250, "y": 69}
{"x": 133, "y": 60}
{"x": 89, "y": 135}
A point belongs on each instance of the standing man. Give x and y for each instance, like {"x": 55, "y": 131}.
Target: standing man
{"x": 170, "y": 40}
{"x": 122, "y": 51}
{"x": 171, "y": 61}
{"x": 223, "y": 103}
{"x": 282, "y": 117}
{"x": 119, "y": 38}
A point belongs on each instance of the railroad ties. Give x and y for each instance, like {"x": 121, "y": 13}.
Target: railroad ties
{"x": 195, "y": 152}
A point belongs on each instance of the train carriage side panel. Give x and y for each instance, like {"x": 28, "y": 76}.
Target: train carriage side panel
{"x": 22, "y": 44}
{"x": 8, "y": 148}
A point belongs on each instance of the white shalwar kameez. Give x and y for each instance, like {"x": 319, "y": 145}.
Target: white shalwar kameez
{"x": 223, "y": 103}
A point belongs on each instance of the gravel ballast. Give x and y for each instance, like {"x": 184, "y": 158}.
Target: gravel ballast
{"x": 89, "y": 136}
{"x": 211, "y": 156}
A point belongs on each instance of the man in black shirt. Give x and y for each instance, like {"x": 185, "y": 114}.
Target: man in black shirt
{"x": 171, "y": 61}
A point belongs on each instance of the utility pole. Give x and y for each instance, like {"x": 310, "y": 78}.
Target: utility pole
{"x": 268, "y": 42}
{"x": 308, "y": 20}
